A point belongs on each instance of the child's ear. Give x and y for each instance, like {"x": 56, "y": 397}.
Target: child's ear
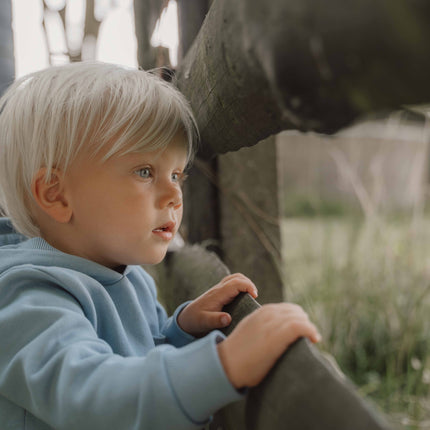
{"x": 50, "y": 195}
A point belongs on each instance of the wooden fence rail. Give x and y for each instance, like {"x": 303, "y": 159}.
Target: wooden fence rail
{"x": 304, "y": 391}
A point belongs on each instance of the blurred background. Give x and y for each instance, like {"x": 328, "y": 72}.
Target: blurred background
{"x": 354, "y": 207}
{"x": 47, "y": 33}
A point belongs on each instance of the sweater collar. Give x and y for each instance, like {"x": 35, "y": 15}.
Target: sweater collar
{"x": 62, "y": 259}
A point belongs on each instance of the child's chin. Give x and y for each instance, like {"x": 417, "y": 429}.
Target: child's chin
{"x": 156, "y": 259}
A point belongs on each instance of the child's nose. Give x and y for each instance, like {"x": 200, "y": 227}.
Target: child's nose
{"x": 172, "y": 196}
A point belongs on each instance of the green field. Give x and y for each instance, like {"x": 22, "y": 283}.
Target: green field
{"x": 367, "y": 286}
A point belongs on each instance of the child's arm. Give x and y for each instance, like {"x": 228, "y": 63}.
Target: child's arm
{"x": 205, "y": 313}
{"x": 54, "y": 365}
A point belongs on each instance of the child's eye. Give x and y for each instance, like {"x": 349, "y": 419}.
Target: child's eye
{"x": 144, "y": 173}
{"x": 179, "y": 177}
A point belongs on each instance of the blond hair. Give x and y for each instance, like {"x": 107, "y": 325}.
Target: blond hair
{"x": 49, "y": 116}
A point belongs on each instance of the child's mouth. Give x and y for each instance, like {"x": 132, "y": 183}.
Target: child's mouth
{"x": 165, "y": 231}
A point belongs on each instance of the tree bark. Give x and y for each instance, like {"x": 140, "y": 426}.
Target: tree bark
{"x": 257, "y": 68}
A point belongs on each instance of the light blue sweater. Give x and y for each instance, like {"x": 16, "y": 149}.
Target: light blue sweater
{"x": 84, "y": 347}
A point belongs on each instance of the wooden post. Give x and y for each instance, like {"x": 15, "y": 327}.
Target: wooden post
{"x": 226, "y": 221}
{"x": 250, "y": 231}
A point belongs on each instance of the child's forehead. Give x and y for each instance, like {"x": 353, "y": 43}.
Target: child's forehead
{"x": 119, "y": 146}
{"x": 178, "y": 143}
{"x": 177, "y": 149}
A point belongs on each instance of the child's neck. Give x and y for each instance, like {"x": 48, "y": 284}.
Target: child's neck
{"x": 120, "y": 269}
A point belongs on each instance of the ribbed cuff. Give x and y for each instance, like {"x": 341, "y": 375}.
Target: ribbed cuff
{"x": 174, "y": 334}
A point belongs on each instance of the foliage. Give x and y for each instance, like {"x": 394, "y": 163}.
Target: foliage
{"x": 311, "y": 206}
{"x": 367, "y": 286}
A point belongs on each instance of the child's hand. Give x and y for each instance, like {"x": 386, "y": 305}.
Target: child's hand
{"x": 204, "y": 313}
{"x": 259, "y": 340}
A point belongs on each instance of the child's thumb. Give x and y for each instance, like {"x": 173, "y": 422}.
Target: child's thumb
{"x": 217, "y": 320}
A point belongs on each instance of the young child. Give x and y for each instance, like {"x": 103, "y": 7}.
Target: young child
{"x": 92, "y": 157}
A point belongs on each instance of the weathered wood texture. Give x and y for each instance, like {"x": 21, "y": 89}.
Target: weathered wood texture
{"x": 201, "y": 200}
{"x": 257, "y": 68}
{"x": 249, "y": 222}
{"x": 302, "y": 392}
{"x": 201, "y": 205}
{"x": 222, "y": 207}
{"x": 231, "y": 206}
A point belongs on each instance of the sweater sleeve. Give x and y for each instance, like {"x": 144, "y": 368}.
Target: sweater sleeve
{"x": 169, "y": 327}
{"x": 174, "y": 334}
{"x": 57, "y": 368}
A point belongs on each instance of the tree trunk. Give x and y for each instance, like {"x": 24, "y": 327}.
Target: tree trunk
{"x": 7, "y": 65}
{"x": 190, "y": 18}
{"x": 257, "y": 68}
{"x": 146, "y": 14}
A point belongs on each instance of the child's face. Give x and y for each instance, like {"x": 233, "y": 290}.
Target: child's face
{"x": 126, "y": 210}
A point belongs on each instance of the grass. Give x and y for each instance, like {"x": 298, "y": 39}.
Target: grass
{"x": 367, "y": 286}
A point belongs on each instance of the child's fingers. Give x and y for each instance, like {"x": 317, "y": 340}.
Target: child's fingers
{"x": 235, "y": 284}
{"x": 287, "y": 321}
{"x": 233, "y": 276}
{"x": 302, "y": 329}
{"x": 297, "y": 324}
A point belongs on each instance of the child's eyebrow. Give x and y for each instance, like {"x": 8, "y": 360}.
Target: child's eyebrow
{"x": 138, "y": 157}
